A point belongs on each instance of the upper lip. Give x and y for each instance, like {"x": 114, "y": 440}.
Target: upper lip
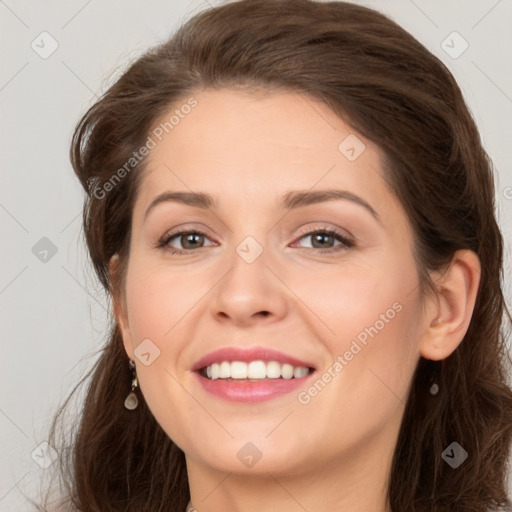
{"x": 247, "y": 355}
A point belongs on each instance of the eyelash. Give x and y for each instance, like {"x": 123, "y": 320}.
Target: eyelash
{"x": 164, "y": 241}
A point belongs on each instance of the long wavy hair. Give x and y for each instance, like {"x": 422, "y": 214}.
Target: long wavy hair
{"x": 392, "y": 90}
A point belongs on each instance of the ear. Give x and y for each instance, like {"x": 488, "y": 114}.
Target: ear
{"x": 119, "y": 304}
{"x": 449, "y": 313}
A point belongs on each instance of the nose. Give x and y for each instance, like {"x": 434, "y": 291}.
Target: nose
{"x": 249, "y": 293}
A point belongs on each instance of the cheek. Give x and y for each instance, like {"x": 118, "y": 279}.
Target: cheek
{"x": 160, "y": 301}
{"x": 370, "y": 316}
{"x": 351, "y": 298}
{"x": 379, "y": 349}
{"x": 374, "y": 383}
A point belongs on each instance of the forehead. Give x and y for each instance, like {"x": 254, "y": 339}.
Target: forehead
{"x": 263, "y": 125}
{"x": 255, "y": 145}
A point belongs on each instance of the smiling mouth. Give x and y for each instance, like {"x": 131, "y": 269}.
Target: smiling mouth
{"x": 254, "y": 371}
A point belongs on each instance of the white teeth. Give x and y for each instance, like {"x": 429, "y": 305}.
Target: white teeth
{"x": 255, "y": 370}
{"x": 238, "y": 370}
{"x": 287, "y": 371}
{"x": 224, "y": 370}
{"x": 300, "y": 371}
{"x": 273, "y": 370}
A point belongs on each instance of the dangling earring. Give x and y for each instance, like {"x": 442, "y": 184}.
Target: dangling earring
{"x": 434, "y": 389}
{"x": 131, "y": 401}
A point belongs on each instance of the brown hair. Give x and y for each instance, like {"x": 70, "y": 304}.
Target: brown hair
{"x": 393, "y": 91}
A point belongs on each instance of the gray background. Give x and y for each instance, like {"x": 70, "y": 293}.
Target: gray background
{"x": 53, "y": 310}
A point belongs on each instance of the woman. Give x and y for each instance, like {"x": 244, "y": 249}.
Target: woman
{"x": 291, "y": 208}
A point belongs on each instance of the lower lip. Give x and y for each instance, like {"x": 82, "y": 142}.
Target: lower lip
{"x": 251, "y": 391}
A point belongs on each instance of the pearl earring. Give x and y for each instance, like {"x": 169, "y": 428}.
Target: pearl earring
{"x": 131, "y": 401}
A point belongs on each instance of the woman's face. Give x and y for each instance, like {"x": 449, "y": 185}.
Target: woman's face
{"x": 257, "y": 272}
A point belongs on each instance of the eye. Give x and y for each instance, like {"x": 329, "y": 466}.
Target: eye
{"x": 189, "y": 239}
{"x": 322, "y": 240}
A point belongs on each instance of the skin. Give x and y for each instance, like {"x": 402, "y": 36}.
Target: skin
{"x": 247, "y": 150}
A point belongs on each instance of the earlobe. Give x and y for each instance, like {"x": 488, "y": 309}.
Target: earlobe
{"x": 448, "y": 319}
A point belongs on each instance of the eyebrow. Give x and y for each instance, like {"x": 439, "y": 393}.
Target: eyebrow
{"x": 290, "y": 201}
